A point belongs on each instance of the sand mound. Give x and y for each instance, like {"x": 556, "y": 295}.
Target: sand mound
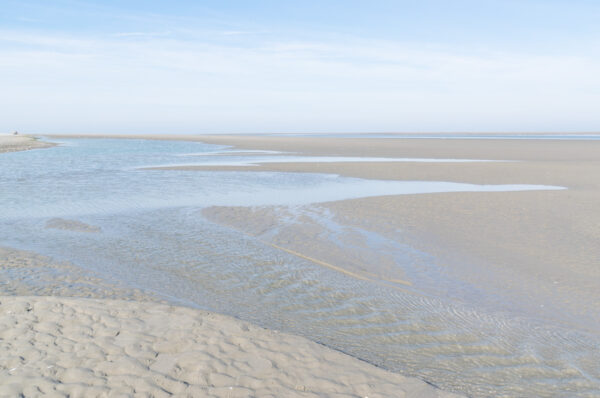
{"x": 89, "y": 347}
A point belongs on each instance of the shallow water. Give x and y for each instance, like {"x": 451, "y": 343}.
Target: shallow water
{"x": 149, "y": 232}
{"x": 274, "y": 158}
{"x": 106, "y": 176}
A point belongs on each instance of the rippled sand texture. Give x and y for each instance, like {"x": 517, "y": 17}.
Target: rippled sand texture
{"x": 12, "y": 143}
{"x": 425, "y": 321}
{"x": 66, "y": 346}
{"x": 85, "y": 347}
{"x": 524, "y": 261}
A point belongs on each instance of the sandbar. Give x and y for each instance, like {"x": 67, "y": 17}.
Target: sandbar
{"x": 14, "y": 143}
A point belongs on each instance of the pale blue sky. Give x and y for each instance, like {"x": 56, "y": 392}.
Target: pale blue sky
{"x": 299, "y": 66}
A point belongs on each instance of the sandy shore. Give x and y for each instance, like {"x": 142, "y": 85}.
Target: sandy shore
{"x": 538, "y": 248}
{"x": 62, "y": 333}
{"x": 66, "y": 346}
{"x": 13, "y": 143}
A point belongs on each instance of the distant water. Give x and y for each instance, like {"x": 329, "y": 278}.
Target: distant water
{"x": 576, "y": 137}
{"x": 150, "y": 233}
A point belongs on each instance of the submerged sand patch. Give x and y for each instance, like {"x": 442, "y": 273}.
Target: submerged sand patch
{"x": 72, "y": 225}
{"x": 23, "y": 273}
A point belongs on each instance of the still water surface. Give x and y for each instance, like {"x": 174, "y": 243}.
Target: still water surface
{"x": 153, "y": 236}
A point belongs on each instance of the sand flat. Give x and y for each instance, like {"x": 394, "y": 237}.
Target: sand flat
{"x": 539, "y": 246}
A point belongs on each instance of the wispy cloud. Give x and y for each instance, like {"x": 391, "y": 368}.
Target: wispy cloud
{"x": 141, "y": 34}
{"x": 285, "y": 85}
{"x": 235, "y": 32}
{"x": 26, "y": 19}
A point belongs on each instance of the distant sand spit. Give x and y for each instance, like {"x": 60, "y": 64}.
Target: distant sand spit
{"x": 497, "y": 149}
{"x": 14, "y": 143}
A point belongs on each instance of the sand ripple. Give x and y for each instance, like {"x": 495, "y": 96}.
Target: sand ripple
{"x": 90, "y": 347}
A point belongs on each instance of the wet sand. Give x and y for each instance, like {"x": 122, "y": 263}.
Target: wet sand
{"x": 23, "y": 273}
{"x": 538, "y": 248}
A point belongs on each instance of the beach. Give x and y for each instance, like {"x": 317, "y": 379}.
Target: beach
{"x": 300, "y": 199}
{"x": 539, "y": 248}
{"x": 465, "y": 262}
{"x": 68, "y": 332}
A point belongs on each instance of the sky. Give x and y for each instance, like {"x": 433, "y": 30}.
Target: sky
{"x": 144, "y": 66}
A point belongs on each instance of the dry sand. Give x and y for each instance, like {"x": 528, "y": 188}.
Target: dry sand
{"x": 24, "y": 273}
{"x": 65, "y": 346}
{"x": 13, "y": 143}
{"x": 85, "y": 347}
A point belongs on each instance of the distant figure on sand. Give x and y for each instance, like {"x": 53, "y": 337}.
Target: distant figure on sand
{"x": 15, "y": 132}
